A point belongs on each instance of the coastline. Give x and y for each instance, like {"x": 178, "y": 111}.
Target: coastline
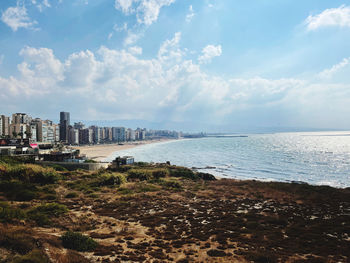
{"x": 177, "y": 218}
{"x": 100, "y": 152}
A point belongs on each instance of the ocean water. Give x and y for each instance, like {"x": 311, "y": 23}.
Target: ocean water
{"x": 319, "y": 158}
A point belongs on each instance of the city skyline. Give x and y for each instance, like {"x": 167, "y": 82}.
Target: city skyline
{"x": 223, "y": 66}
{"x": 36, "y": 130}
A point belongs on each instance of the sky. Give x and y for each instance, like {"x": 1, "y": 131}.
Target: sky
{"x": 192, "y": 65}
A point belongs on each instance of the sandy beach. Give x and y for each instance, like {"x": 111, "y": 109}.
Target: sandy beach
{"x": 100, "y": 152}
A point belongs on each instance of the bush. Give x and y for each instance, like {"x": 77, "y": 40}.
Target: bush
{"x": 71, "y": 195}
{"x": 111, "y": 179}
{"x": 183, "y": 172}
{"x": 35, "y": 256}
{"x": 90, "y": 161}
{"x": 160, "y": 173}
{"x": 16, "y": 239}
{"x": 206, "y": 176}
{"x": 41, "y": 175}
{"x": 42, "y": 213}
{"x": 139, "y": 174}
{"x": 172, "y": 185}
{"x": 18, "y": 191}
{"x": 31, "y": 173}
{"x": 77, "y": 241}
{"x": 8, "y": 214}
{"x": 58, "y": 168}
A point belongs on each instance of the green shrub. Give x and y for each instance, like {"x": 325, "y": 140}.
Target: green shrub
{"x": 206, "y": 176}
{"x": 93, "y": 195}
{"x": 144, "y": 187}
{"x": 172, "y": 185}
{"x": 71, "y": 195}
{"x": 31, "y": 173}
{"x": 8, "y": 214}
{"x": 111, "y": 179}
{"x": 125, "y": 191}
{"x": 139, "y": 175}
{"x": 16, "y": 239}
{"x": 90, "y": 161}
{"x": 183, "y": 172}
{"x": 18, "y": 191}
{"x": 160, "y": 173}
{"x": 58, "y": 167}
{"x": 35, "y": 256}
{"x": 77, "y": 241}
{"x": 42, "y": 213}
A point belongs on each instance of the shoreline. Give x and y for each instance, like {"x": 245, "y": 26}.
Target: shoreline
{"x": 100, "y": 152}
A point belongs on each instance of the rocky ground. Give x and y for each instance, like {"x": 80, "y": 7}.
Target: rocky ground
{"x": 182, "y": 219}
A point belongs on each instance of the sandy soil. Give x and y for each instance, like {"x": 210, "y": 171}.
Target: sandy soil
{"x": 101, "y": 152}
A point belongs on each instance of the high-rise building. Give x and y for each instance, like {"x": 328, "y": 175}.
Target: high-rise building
{"x": 79, "y": 125}
{"x": 21, "y": 118}
{"x": 64, "y": 123}
{"x": 57, "y": 132}
{"x": 33, "y": 132}
{"x": 46, "y": 130}
{"x": 130, "y": 135}
{"x": 73, "y": 136}
{"x": 5, "y": 125}
{"x": 1, "y": 127}
{"x": 96, "y": 134}
{"x": 119, "y": 134}
{"x": 108, "y": 134}
{"x": 85, "y": 136}
{"x": 19, "y": 130}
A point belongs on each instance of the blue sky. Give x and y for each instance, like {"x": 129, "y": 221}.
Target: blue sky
{"x": 193, "y": 65}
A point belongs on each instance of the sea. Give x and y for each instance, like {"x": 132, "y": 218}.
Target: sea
{"x": 317, "y": 158}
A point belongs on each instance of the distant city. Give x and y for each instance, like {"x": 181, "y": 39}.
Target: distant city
{"x": 23, "y": 126}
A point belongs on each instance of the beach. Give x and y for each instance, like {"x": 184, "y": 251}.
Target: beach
{"x": 100, "y": 152}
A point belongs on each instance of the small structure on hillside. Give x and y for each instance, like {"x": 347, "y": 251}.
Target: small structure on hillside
{"x": 122, "y": 161}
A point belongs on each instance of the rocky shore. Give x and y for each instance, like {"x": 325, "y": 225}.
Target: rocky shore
{"x": 161, "y": 213}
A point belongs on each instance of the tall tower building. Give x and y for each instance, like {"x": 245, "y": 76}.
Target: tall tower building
{"x": 64, "y": 123}
{"x": 5, "y": 124}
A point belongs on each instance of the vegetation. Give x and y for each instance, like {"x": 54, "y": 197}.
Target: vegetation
{"x": 35, "y": 256}
{"x": 77, "y": 241}
{"x": 151, "y": 211}
{"x": 17, "y": 239}
{"x": 43, "y": 213}
{"x": 183, "y": 172}
{"x": 71, "y": 195}
{"x": 29, "y": 173}
{"x": 109, "y": 179}
{"x": 9, "y": 214}
{"x": 90, "y": 161}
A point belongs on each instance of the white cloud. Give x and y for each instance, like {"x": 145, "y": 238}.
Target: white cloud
{"x": 190, "y": 14}
{"x": 17, "y": 17}
{"x": 41, "y": 6}
{"x": 121, "y": 28}
{"x": 209, "y": 52}
{"x": 147, "y": 11}
{"x": 135, "y": 50}
{"x": 132, "y": 38}
{"x": 117, "y": 84}
{"x": 329, "y": 17}
{"x": 117, "y": 28}
{"x": 328, "y": 73}
{"x": 170, "y": 50}
{"x": 124, "y": 5}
